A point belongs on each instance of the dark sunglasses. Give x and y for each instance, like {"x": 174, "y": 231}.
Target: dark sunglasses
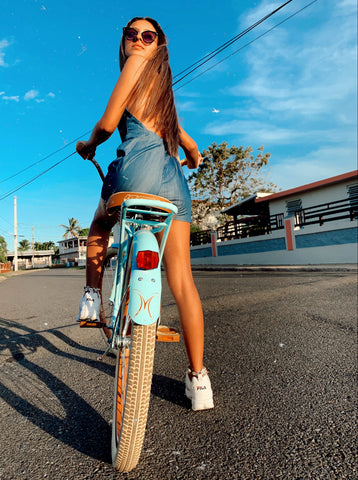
{"x": 131, "y": 34}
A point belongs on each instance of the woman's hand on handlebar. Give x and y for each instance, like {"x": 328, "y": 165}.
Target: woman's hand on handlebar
{"x": 192, "y": 162}
{"x": 85, "y": 149}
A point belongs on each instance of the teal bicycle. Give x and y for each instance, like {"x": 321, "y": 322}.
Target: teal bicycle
{"x": 130, "y": 312}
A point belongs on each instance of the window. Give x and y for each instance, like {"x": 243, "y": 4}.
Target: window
{"x": 293, "y": 206}
{"x": 353, "y": 198}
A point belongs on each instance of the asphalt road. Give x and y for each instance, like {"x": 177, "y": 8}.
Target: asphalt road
{"x": 281, "y": 348}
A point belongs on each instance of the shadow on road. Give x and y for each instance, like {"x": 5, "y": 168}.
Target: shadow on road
{"x": 170, "y": 390}
{"x": 81, "y": 426}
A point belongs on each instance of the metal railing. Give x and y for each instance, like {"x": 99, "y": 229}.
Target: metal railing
{"x": 327, "y": 212}
{"x": 250, "y": 227}
{"x": 276, "y": 221}
{"x": 200, "y": 238}
{"x": 236, "y": 229}
{"x": 241, "y": 228}
{"x": 263, "y": 225}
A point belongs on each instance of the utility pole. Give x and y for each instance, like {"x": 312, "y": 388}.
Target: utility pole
{"x": 33, "y": 246}
{"x": 16, "y": 264}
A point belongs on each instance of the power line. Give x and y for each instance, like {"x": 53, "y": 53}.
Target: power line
{"x": 5, "y": 232}
{"x": 35, "y": 178}
{"x": 195, "y": 66}
{"x": 37, "y": 225}
{"x": 45, "y": 158}
{"x": 246, "y": 45}
{"x": 218, "y": 50}
{"x": 7, "y": 221}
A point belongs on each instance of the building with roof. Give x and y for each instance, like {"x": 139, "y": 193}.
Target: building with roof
{"x": 32, "y": 258}
{"x": 72, "y": 251}
{"x": 315, "y": 223}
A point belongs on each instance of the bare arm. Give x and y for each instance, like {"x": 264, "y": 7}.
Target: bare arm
{"x": 193, "y": 157}
{"x": 115, "y": 107}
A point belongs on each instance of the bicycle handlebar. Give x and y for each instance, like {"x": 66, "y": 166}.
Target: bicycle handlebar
{"x": 99, "y": 169}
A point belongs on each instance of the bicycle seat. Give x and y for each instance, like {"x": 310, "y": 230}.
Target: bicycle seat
{"x": 117, "y": 199}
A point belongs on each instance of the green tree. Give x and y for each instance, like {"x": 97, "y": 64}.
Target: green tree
{"x": 50, "y": 245}
{"x": 24, "y": 245}
{"x": 45, "y": 245}
{"x": 227, "y": 175}
{"x": 84, "y": 232}
{"x": 3, "y": 249}
{"x": 72, "y": 229}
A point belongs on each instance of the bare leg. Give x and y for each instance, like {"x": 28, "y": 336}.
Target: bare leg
{"x": 97, "y": 244}
{"x": 181, "y": 283}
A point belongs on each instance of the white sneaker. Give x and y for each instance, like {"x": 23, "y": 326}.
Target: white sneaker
{"x": 198, "y": 389}
{"x": 90, "y": 305}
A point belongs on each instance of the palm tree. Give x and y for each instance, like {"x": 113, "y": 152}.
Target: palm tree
{"x": 72, "y": 229}
{"x": 49, "y": 245}
{"x": 24, "y": 245}
{"x": 38, "y": 246}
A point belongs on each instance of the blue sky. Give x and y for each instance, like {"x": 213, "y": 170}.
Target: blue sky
{"x": 292, "y": 90}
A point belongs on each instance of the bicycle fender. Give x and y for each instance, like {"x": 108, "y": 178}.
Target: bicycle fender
{"x": 145, "y": 285}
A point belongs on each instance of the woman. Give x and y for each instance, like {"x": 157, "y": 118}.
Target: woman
{"x": 142, "y": 107}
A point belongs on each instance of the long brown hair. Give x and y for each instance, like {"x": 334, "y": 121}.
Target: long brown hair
{"x": 156, "y": 78}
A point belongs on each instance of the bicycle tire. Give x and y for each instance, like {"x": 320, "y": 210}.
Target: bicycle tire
{"x": 134, "y": 365}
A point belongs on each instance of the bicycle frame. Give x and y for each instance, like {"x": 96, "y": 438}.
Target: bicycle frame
{"x": 138, "y": 230}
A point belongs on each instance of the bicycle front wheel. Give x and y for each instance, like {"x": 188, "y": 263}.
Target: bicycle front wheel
{"x": 133, "y": 379}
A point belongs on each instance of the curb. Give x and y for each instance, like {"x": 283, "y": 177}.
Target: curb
{"x": 351, "y": 268}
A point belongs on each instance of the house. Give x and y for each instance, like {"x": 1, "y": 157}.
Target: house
{"x": 72, "y": 251}
{"x": 315, "y": 223}
{"x": 32, "y": 258}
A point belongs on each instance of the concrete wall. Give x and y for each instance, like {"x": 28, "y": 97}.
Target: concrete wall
{"x": 336, "y": 242}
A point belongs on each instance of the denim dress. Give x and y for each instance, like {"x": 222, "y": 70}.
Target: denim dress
{"x": 144, "y": 165}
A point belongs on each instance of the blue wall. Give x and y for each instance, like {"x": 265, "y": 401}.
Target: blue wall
{"x": 334, "y": 237}
{"x": 241, "y": 247}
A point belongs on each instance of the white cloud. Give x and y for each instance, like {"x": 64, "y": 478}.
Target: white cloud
{"x": 249, "y": 130}
{"x": 3, "y": 45}
{"x": 185, "y": 93}
{"x": 31, "y": 94}
{"x": 298, "y": 94}
{"x": 349, "y": 6}
{"x": 271, "y": 133}
{"x": 316, "y": 165}
{"x": 13, "y": 98}
{"x": 259, "y": 12}
{"x": 187, "y": 106}
{"x": 314, "y": 75}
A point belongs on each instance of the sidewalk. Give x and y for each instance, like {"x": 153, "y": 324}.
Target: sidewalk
{"x": 5, "y": 276}
{"x": 342, "y": 267}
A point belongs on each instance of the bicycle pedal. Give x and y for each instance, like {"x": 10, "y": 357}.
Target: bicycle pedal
{"x": 92, "y": 324}
{"x": 167, "y": 334}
